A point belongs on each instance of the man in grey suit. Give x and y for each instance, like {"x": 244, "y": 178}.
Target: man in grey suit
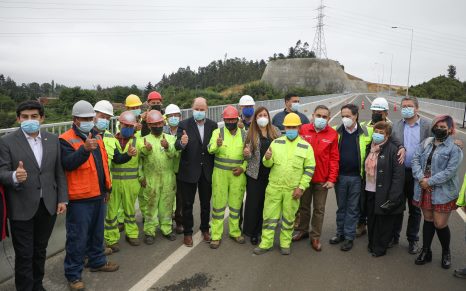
{"x": 410, "y": 131}
{"x": 36, "y": 191}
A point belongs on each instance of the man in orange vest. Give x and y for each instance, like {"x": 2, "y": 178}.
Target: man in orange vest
{"x": 86, "y": 168}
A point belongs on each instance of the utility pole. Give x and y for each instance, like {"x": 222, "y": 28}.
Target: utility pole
{"x": 391, "y": 70}
{"x": 410, "y": 53}
{"x": 318, "y": 46}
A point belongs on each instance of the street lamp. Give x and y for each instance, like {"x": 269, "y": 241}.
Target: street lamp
{"x": 410, "y": 53}
{"x": 391, "y": 70}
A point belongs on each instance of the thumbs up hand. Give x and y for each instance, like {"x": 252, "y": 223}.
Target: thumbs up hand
{"x": 220, "y": 140}
{"x": 268, "y": 154}
{"x": 147, "y": 145}
{"x": 247, "y": 151}
{"x": 184, "y": 138}
{"x": 132, "y": 151}
{"x": 90, "y": 144}
{"x": 164, "y": 142}
{"x": 21, "y": 174}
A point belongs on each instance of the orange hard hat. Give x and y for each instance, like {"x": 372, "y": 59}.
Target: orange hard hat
{"x": 154, "y": 116}
{"x": 230, "y": 112}
{"x": 154, "y": 95}
{"x": 127, "y": 117}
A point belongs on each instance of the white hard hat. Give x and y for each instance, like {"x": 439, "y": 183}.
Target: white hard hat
{"x": 246, "y": 100}
{"x": 104, "y": 106}
{"x": 172, "y": 108}
{"x": 83, "y": 109}
{"x": 379, "y": 104}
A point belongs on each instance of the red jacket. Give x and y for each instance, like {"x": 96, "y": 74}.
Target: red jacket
{"x": 325, "y": 146}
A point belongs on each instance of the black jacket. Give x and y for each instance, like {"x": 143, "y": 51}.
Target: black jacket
{"x": 195, "y": 158}
{"x": 390, "y": 178}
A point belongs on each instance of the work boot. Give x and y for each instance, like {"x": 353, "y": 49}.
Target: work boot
{"x": 171, "y": 236}
{"x": 460, "y": 273}
{"x": 259, "y": 251}
{"x": 206, "y": 236}
{"x": 149, "y": 239}
{"x": 254, "y": 240}
{"x": 413, "y": 248}
{"x": 114, "y": 247}
{"x": 133, "y": 241}
{"x": 188, "y": 240}
{"x": 424, "y": 257}
{"x": 214, "y": 244}
{"x": 108, "y": 251}
{"x": 121, "y": 227}
{"x": 179, "y": 229}
{"x": 300, "y": 235}
{"x": 336, "y": 239}
{"x": 393, "y": 242}
{"x": 316, "y": 245}
{"x": 240, "y": 239}
{"x": 76, "y": 285}
{"x": 361, "y": 230}
{"x": 285, "y": 251}
{"x": 108, "y": 267}
{"x": 347, "y": 245}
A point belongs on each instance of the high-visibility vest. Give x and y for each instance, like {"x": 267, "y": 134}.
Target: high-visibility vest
{"x": 230, "y": 155}
{"x": 83, "y": 182}
{"x": 128, "y": 170}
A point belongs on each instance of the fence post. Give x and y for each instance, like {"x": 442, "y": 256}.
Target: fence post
{"x": 464, "y": 115}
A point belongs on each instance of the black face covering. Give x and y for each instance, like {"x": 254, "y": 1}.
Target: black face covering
{"x": 157, "y": 107}
{"x": 376, "y": 117}
{"x": 231, "y": 126}
{"x": 156, "y": 130}
{"x": 440, "y": 134}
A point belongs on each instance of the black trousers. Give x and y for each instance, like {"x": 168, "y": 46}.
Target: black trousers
{"x": 380, "y": 227}
{"x": 188, "y": 192}
{"x": 30, "y": 240}
{"x": 415, "y": 215}
{"x": 179, "y": 204}
{"x": 255, "y": 196}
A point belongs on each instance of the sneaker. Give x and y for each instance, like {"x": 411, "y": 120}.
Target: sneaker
{"x": 108, "y": 267}
{"x": 133, "y": 241}
{"x": 347, "y": 245}
{"x": 149, "y": 239}
{"x": 413, "y": 248}
{"x": 214, "y": 244}
{"x": 259, "y": 251}
{"x": 285, "y": 251}
{"x": 76, "y": 285}
{"x": 240, "y": 239}
{"x": 171, "y": 236}
{"x": 114, "y": 247}
{"x": 361, "y": 230}
{"x": 460, "y": 273}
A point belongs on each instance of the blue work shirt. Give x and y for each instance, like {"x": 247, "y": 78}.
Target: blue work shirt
{"x": 277, "y": 120}
{"x": 412, "y": 138}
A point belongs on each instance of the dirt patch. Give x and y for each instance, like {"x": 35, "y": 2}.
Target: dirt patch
{"x": 198, "y": 281}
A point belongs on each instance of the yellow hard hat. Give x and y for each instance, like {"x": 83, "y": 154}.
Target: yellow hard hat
{"x": 132, "y": 101}
{"x": 292, "y": 119}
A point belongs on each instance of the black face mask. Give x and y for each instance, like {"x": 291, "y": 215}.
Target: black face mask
{"x": 157, "y": 107}
{"x": 376, "y": 117}
{"x": 156, "y": 130}
{"x": 231, "y": 126}
{"x": 440, "y": 133}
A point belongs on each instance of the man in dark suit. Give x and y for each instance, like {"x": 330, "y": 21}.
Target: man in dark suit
{"x": 36, "y": 191}
{"x": 196, "y": 166}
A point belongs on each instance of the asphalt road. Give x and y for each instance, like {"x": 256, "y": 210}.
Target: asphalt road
{"x": 171, "y": 266}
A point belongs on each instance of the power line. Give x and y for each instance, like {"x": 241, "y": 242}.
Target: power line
{"x": 318, "y": 45}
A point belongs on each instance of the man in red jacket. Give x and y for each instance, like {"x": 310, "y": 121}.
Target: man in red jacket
{"x": 324, "y": 141}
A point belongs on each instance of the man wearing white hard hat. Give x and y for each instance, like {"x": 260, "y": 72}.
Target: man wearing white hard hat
{"x": 246, "y": 108}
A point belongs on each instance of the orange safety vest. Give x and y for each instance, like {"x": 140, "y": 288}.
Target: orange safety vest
{"x": 83, "y": 182}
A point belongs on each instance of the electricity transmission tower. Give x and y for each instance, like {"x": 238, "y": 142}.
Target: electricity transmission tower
{"x": 318, "y": 46}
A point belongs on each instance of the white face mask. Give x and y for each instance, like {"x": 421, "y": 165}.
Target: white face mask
{"x": 262, "y": 121}
{"x": 347, "y": 122}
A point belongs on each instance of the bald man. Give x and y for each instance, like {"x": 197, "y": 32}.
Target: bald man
{"x": 196, "y": 166}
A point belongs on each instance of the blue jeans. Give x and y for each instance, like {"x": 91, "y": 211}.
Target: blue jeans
{"x": 84, "y": 236}
{"x": 348, "y": 191}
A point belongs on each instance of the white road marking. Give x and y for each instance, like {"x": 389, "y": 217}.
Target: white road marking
{"x": 339, "y": 111}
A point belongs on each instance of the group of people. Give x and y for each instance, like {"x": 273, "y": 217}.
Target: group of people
{"x": 261, "y": 172}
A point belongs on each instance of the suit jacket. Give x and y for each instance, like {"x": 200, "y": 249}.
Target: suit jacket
{"x": 399, "y": 129}
{"x": 195, "y": 159}
{"x": 23, "y": 199}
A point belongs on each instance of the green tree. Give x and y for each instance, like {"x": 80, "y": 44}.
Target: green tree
{"x": 451, "y": 71}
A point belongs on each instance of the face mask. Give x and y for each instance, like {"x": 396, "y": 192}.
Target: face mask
{"x": 378, "y": 138}
{"x": 440, "y": 134}
{"x": 173, "y": 121}
{"x": 231, "y": 126}
{"x": 156, "y": 130}
{"x": 30, "y": 126}
{"x": 295, "y": 107}
{"x": 136, "y": 112}
{"x": 199, "y": 115}
{"x": 248, "y": 111}
{"x": 127, "y": 132}
{"x": 157, "y": 107}
{"x": 262, "y": 121}
{"x": 102, "y": 124}
{"x": 347, "y": 122}
{"x": 320, "y": 123}
{"x": 407, "y": 112}
{"x": 376, "y": 117}
{"x": 291, "y": 134}
{"x": 86, "y": 126}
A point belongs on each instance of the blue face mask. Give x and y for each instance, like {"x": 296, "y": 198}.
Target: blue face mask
{"x": 86, "y": 126}
{"x": 378, "y": 137}
{"x": 30, "y": 126}
{"x": 199, "y": 115}
{"x": 291, "y": 134}
{"x": 407, "y": 112}
{"x": 102, "y": 124}
{"x": 295, "y": 107}
{"x": 136, "y": 112}
{"x": 320, "y": 123}
{"x": 173, "y": 121}
{"x": 248, "y": 111}
{"x": 127, "y": 132}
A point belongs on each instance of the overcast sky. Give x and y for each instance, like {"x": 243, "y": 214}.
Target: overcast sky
{"x": 133, "y": 42}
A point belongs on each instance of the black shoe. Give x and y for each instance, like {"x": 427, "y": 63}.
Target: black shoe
{"x": 393, "y": 242}
{"x": 336, "y": 239}
{"x": 413, "y": 248}
{"x": 460, "y": 273}
{"x": 347, "y": 245}
{"x": 446, "y": 259}
{"x": 149, "y": 239}
{"x": 381, "y": 254}
{"x": 424, "y": 257}
{"x": 171, "y": 236}
{"x": 369, "y": 249}
{"x": 254, "y": 240}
